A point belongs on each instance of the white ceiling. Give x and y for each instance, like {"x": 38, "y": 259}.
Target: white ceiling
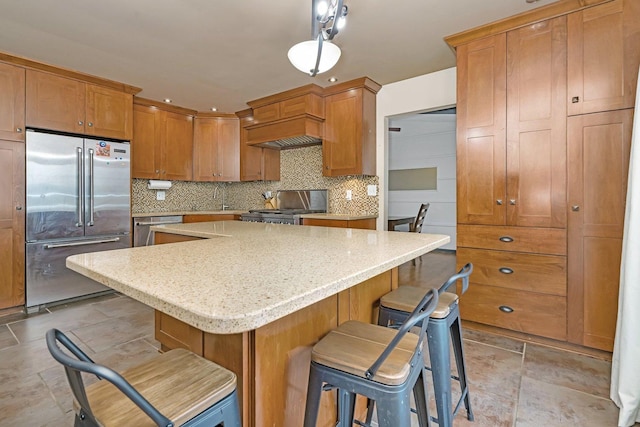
{"x": 204, "y": 53}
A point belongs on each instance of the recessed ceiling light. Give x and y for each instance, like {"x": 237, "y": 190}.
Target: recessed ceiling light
{"x": 214, "y": 109}
{"x": 333, "y": 79}
{"x": 167, "y": 100}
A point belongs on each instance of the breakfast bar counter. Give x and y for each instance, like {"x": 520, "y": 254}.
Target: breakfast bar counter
{"x": 255, "y": 297}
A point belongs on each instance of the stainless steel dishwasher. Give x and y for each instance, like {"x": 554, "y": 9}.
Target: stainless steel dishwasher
{"x": 142, "y": 235}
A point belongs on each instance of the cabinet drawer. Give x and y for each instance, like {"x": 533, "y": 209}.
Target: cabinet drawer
{"x": 533, "y": 313}
{"x": 545, "y": 274}
{"x": 518, "y": 239}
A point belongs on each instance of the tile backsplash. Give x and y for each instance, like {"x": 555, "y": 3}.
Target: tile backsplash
{"x": 300, "y": 169}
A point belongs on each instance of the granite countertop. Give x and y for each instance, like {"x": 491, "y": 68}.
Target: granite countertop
{"x": 174, "y": 213}
{"x": 243, "y": 275}
{"x": 339, "y": 217}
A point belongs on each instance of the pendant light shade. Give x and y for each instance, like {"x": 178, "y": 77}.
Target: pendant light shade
{"x": 304, "y": 55}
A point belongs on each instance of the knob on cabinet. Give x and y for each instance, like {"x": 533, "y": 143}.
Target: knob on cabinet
{"x": 575, "y": 208}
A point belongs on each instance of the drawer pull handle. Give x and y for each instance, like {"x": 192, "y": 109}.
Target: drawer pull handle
{"x": 506, "y": 309}
{"x": 505, "y": 270}
{"x": 506, "y": 239}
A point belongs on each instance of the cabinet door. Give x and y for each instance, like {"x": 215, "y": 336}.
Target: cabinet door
{"x": 536, "y": 130}
{"x": 228, "y": 150}
{"x": 598, "y": 163}
{"x": 12, "y": 102}
{"x": 145, "y": 146}
{"x": 54, "y": 102}
{"x": 109, "y": 113}
{"x": 342, "y": 144}
{"x": 270, "y": 164}
{"x": 481, "y": 109}
{"x": 205, "y": 134}
{"x": 603, "y": 57}
{"x": 12, "y": 172}
{"x": 176, "y": 146}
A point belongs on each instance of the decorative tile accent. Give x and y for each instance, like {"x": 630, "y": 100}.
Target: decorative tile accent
{"x": 300, "y": 169}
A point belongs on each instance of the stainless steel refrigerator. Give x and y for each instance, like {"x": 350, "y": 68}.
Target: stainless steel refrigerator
{"x": 78, "y": 201}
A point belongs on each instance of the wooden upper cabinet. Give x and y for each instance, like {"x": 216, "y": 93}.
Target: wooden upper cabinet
{"x": 176, "y": 142}
{"x": 68, "y": 105}
{"x": 536, "y": 124}
{"x": 12, "y": 102}
{"x": 603, "y": 57}
{"x": 145, "y": 152}
{"x": 55, "y": 102}
{"x": 109, "y": 113}
{"x": 511, "y": 136}
{"x": 598, "y": 164}
{"x": 12, "y": 223}
{"x": 216, "y": 151}
{"x": 481, "y": 123}
{"x": 349, "y": 144}
{"x": 162, "y": 144}
{"x": 256, "y": 163}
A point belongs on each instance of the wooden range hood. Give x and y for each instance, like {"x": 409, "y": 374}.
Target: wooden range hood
{"x": 290, "y": 119}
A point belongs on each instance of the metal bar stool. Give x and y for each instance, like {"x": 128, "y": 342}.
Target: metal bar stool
{"x": 443, "y": 322}
{"x": 377, "y": 362}
{"x": 175, "y": 388}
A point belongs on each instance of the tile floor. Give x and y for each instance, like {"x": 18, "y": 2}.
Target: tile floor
{"x": 512, "y": 383}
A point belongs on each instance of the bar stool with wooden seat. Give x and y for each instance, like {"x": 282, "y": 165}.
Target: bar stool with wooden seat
{"x": 443, "y": 323}
{"x": 377, "y": 362}
{"x": 174, "y": 388}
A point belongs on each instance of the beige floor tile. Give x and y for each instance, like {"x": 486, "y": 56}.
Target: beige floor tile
{"x": 489, "y": 410}
{"x": 113, "y": 332}
{"x": 493, "y": 340}
{"x": 121, "y": 306}
{"x": 566, "y": 369}
{"x": 493, "y": 370}
{"x": 544, "y": 404}
{"x": 26, "y": 401}
{"x": 6, "y": 337}
{"x": 35, "y": 328}
{"x": 24, "y": 360}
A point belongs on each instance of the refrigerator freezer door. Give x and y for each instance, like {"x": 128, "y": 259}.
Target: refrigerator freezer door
{"x": 48, "y": 278}
{"x": 107, "y": 187}
{"x": 54, "y": 208}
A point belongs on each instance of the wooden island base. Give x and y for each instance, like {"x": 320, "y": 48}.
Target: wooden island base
{"x": 272, "y": 362}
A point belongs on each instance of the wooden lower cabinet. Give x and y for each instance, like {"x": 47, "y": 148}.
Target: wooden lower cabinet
{"x": 365, "y": 224}
{"x": 530, "y": 312}
{"x": 519, "y": 279}
{"x": 272, "y": 362}
{"x": 210, "y": 217}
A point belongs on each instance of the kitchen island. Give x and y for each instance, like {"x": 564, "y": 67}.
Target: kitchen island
{"x": 255, "y": 297}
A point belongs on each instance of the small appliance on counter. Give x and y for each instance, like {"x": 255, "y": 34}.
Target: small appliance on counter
{"x": 291, "y": 204}
{"x": 78, "y": 200}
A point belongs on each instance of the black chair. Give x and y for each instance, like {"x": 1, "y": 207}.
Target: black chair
{"x": 443, "y": 329}
{"x": 373, "y": 361}
{"x": 416, "y": 226}
{"x": 174, "y": 388}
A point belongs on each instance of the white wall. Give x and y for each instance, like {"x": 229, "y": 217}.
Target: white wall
{"x": 423, "y": 93}
{"x": 424, "y": 141}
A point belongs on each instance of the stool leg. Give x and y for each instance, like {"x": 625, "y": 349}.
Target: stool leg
{"x": 314, "y": 392}
{"x": 438, "y": 336}
{"x": 456, "y": 338}
{"x": 421, "y": 398}
{"x": 346, "y": 408}
{"x": 394, "y": 411}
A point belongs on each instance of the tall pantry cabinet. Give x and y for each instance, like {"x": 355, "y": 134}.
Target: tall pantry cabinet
{"x": 533, "y": 183}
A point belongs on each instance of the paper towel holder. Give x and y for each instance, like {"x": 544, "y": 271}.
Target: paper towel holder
{"x": 155, "y": 184}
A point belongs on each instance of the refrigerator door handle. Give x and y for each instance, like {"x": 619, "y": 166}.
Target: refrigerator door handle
{"x": 79, "y": 158}
{"x": 91, "y": 242}
{"x": 91, "y": 188}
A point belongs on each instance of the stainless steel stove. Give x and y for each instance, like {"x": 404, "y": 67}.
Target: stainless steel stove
{"x": 291, "y": 204}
